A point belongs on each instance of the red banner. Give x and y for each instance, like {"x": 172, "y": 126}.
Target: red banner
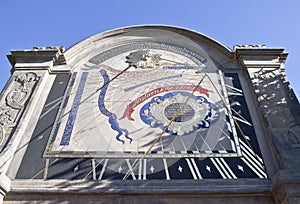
{"x": 130, "y": 107}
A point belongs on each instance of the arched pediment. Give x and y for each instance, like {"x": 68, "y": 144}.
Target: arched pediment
{"x": 159, "y": 37}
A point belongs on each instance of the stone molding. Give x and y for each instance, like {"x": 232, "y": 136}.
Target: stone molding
{"x": 201, "y": 191}
{"x": 286, "y": 186}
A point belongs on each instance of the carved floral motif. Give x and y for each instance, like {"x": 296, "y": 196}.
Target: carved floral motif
{"x": 7, "y": 117}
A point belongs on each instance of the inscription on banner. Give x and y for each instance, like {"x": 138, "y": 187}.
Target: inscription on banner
{"x": 197, "y": 58}
{"x": 130, "y": 108}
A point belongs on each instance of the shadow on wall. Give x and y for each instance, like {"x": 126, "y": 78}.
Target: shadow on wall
{"x": 280, "y": 107}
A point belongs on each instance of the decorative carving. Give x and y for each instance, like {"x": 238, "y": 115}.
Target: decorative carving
{"x": 251, "y": 46}
{"x": 293, "y": 135}
{"x": 193, "y": 114}
{"x": 281, "y": 113}
{"x": 197, "y": 58}
{"x": 2, "y": 134}
{"x": 7, "y": 117}
{"x": 265, "y": 74}
{"x": 271, "y": 87}
{"x": 19, "y": 95}
{"x": 293, "y": 139}
{"x": 48, "y": 48}
{"x": 280, "y": 194}
{"x": 280, "y": 116}
{"x": 25, "y": 78}
{"x": 20, "y": 91}
{"x": 143, "y": 59}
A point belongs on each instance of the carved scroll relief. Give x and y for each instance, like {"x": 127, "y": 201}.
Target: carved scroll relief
{"x": 15, "y": 101}
{"x": 281, "y": 113}
{"x": 271, "y": 89}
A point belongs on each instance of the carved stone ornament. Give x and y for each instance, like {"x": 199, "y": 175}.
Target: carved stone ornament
{"x": 143, "y": 59}
{"x": 18, "y": 95}
{"x": 271, "y": 86}
{"x": 7, "y": 116}
{"x": 293, "y": 135}
{"x": 21, "y": 91}
{"x": 2, "y": 134}
{"x": 251, "y": 46}
{"x": 265, "y": 74}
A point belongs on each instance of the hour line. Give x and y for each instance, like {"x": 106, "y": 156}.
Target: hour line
{"x": 196, "y": 168}
{"x": 148, "y": 82}
{"x": 166, "y": 169}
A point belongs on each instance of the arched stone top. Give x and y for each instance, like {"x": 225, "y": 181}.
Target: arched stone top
{"x": 171, "y": 35}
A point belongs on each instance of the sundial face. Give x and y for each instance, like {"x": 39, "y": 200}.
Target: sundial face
{"x": 117, "y": 108}
{"x": 153, "y": 110}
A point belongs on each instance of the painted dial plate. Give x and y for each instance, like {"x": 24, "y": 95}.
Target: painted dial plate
{"x": 117, "y": 108}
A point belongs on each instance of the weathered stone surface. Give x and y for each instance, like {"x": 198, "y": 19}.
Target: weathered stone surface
{"x": 281, "y": 112}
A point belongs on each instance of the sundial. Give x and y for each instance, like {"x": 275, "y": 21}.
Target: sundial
{"x": 148, "y": 109}
{"x": 149, "y": 113}
{"x": 151, "y": 105}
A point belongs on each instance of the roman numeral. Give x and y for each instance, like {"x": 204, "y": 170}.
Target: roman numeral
{"x": 94, "y": 165}
{"x": 131, "y": 169}
{"x": 142, "y": 169}
{"x": 193, "y": 168}
{"x": 166, "y": 169}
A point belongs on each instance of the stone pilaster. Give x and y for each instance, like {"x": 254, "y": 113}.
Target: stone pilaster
{"x": 30, "y": 77}
{"x": 13, "y": 103}
{"x": 281, "y": 112}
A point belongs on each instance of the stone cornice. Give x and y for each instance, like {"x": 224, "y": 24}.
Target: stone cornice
{"x": 38, "y": 58}
{"x": 176, "y": 187}
{"x": 260, "y": 56}
{"x": 259, "y": 51}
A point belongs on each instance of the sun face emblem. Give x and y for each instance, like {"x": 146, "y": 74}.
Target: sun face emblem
{"x": 143, "y": 59}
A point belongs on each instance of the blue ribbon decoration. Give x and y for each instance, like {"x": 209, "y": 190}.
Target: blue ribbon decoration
{"x": 112, "y": 117}
{"x": 65, "y": 140}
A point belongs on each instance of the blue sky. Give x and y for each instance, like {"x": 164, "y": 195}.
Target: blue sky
{"x": 30, "y": 23}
